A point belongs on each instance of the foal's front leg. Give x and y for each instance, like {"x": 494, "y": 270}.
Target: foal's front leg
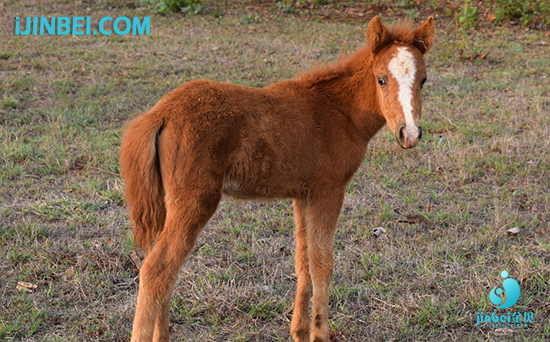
{"x": 300, "y": 317}
{"x": 322, "y": 212}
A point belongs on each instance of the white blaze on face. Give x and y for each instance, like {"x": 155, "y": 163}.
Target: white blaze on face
{"x": 403, "y": 69}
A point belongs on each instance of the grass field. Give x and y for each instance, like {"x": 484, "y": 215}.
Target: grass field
{"x": 482, "y": 168}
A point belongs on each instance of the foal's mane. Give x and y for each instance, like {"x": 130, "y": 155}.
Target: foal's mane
{"x": 402, "y": 33}
{"x": 349, "y": 64}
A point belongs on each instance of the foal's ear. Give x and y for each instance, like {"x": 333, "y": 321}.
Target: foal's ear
{"x": 424, "y": 35}
{"x": 378, "y": 35}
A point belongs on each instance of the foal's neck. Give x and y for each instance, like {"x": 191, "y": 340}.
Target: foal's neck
{"x": 349, "y": 86}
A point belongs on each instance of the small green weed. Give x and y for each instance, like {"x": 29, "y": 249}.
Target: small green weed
{"x": 10, "y": 103}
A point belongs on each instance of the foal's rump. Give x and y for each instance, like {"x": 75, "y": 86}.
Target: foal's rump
{"x": 245, "y": 141}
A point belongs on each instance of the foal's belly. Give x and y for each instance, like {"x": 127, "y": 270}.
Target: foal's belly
{"x": 264, "y": 190}
{"x": 262, "y": 179}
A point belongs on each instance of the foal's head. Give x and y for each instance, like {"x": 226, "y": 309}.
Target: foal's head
{"x": 400, "y": 73}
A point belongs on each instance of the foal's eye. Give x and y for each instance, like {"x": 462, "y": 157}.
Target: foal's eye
{"x": 423, "y": 81}
{"x": 381, "y": 81}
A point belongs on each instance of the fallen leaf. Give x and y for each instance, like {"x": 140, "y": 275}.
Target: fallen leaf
{"x": 55, "y": 320}
{"x": 69, "y": 272}
{"x": 491, "y": 17}
{"x": 523, "y": 199}
{"x": 513, "y": 231}
{"x": 504, "y": 331}
{"x": 27, "y": 287}
{"x": 379, "y": 232}
{"x": 124, "y": 284}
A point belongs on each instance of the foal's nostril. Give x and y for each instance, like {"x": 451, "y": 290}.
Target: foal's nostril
{"x": 402, "y": 134}
{"x": 419, "y": 132}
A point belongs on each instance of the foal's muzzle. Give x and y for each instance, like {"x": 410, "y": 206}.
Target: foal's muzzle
{"x": 408, "y": 138}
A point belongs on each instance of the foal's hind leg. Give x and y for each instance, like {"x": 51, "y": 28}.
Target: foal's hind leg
{"x": 323, "y": 208}
{"x": 300, "y": 317}
{"x": 162, "y": 323}
{"x": 187, "y": 213}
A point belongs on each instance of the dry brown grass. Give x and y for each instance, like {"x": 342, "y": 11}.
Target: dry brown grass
{"x": 482, "y": 168}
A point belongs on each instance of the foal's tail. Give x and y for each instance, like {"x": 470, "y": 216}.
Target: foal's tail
{"x": 140, "y": 170}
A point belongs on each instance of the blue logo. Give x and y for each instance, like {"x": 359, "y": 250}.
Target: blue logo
{"x": 511, "y": 289}
{"x": 508, "y": 319}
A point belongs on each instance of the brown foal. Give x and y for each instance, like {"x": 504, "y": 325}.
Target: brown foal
{"x": 302, "y": 138}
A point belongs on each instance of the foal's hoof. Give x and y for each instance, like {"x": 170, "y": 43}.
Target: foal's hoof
{"x": 319, "y": 339}
{"x": 300, "y": 335}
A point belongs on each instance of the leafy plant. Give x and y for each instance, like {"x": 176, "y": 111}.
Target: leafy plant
{"x": 193, "y": 7}
{"x": 467, "y": 16}
{"x": 406, "y": 4}
{"x": 165, "y": 6}
{"x": 285, "y": 6}
{"x": 525, "y": 11}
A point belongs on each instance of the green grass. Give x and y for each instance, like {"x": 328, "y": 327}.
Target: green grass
{"x": 481, "y": 168}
